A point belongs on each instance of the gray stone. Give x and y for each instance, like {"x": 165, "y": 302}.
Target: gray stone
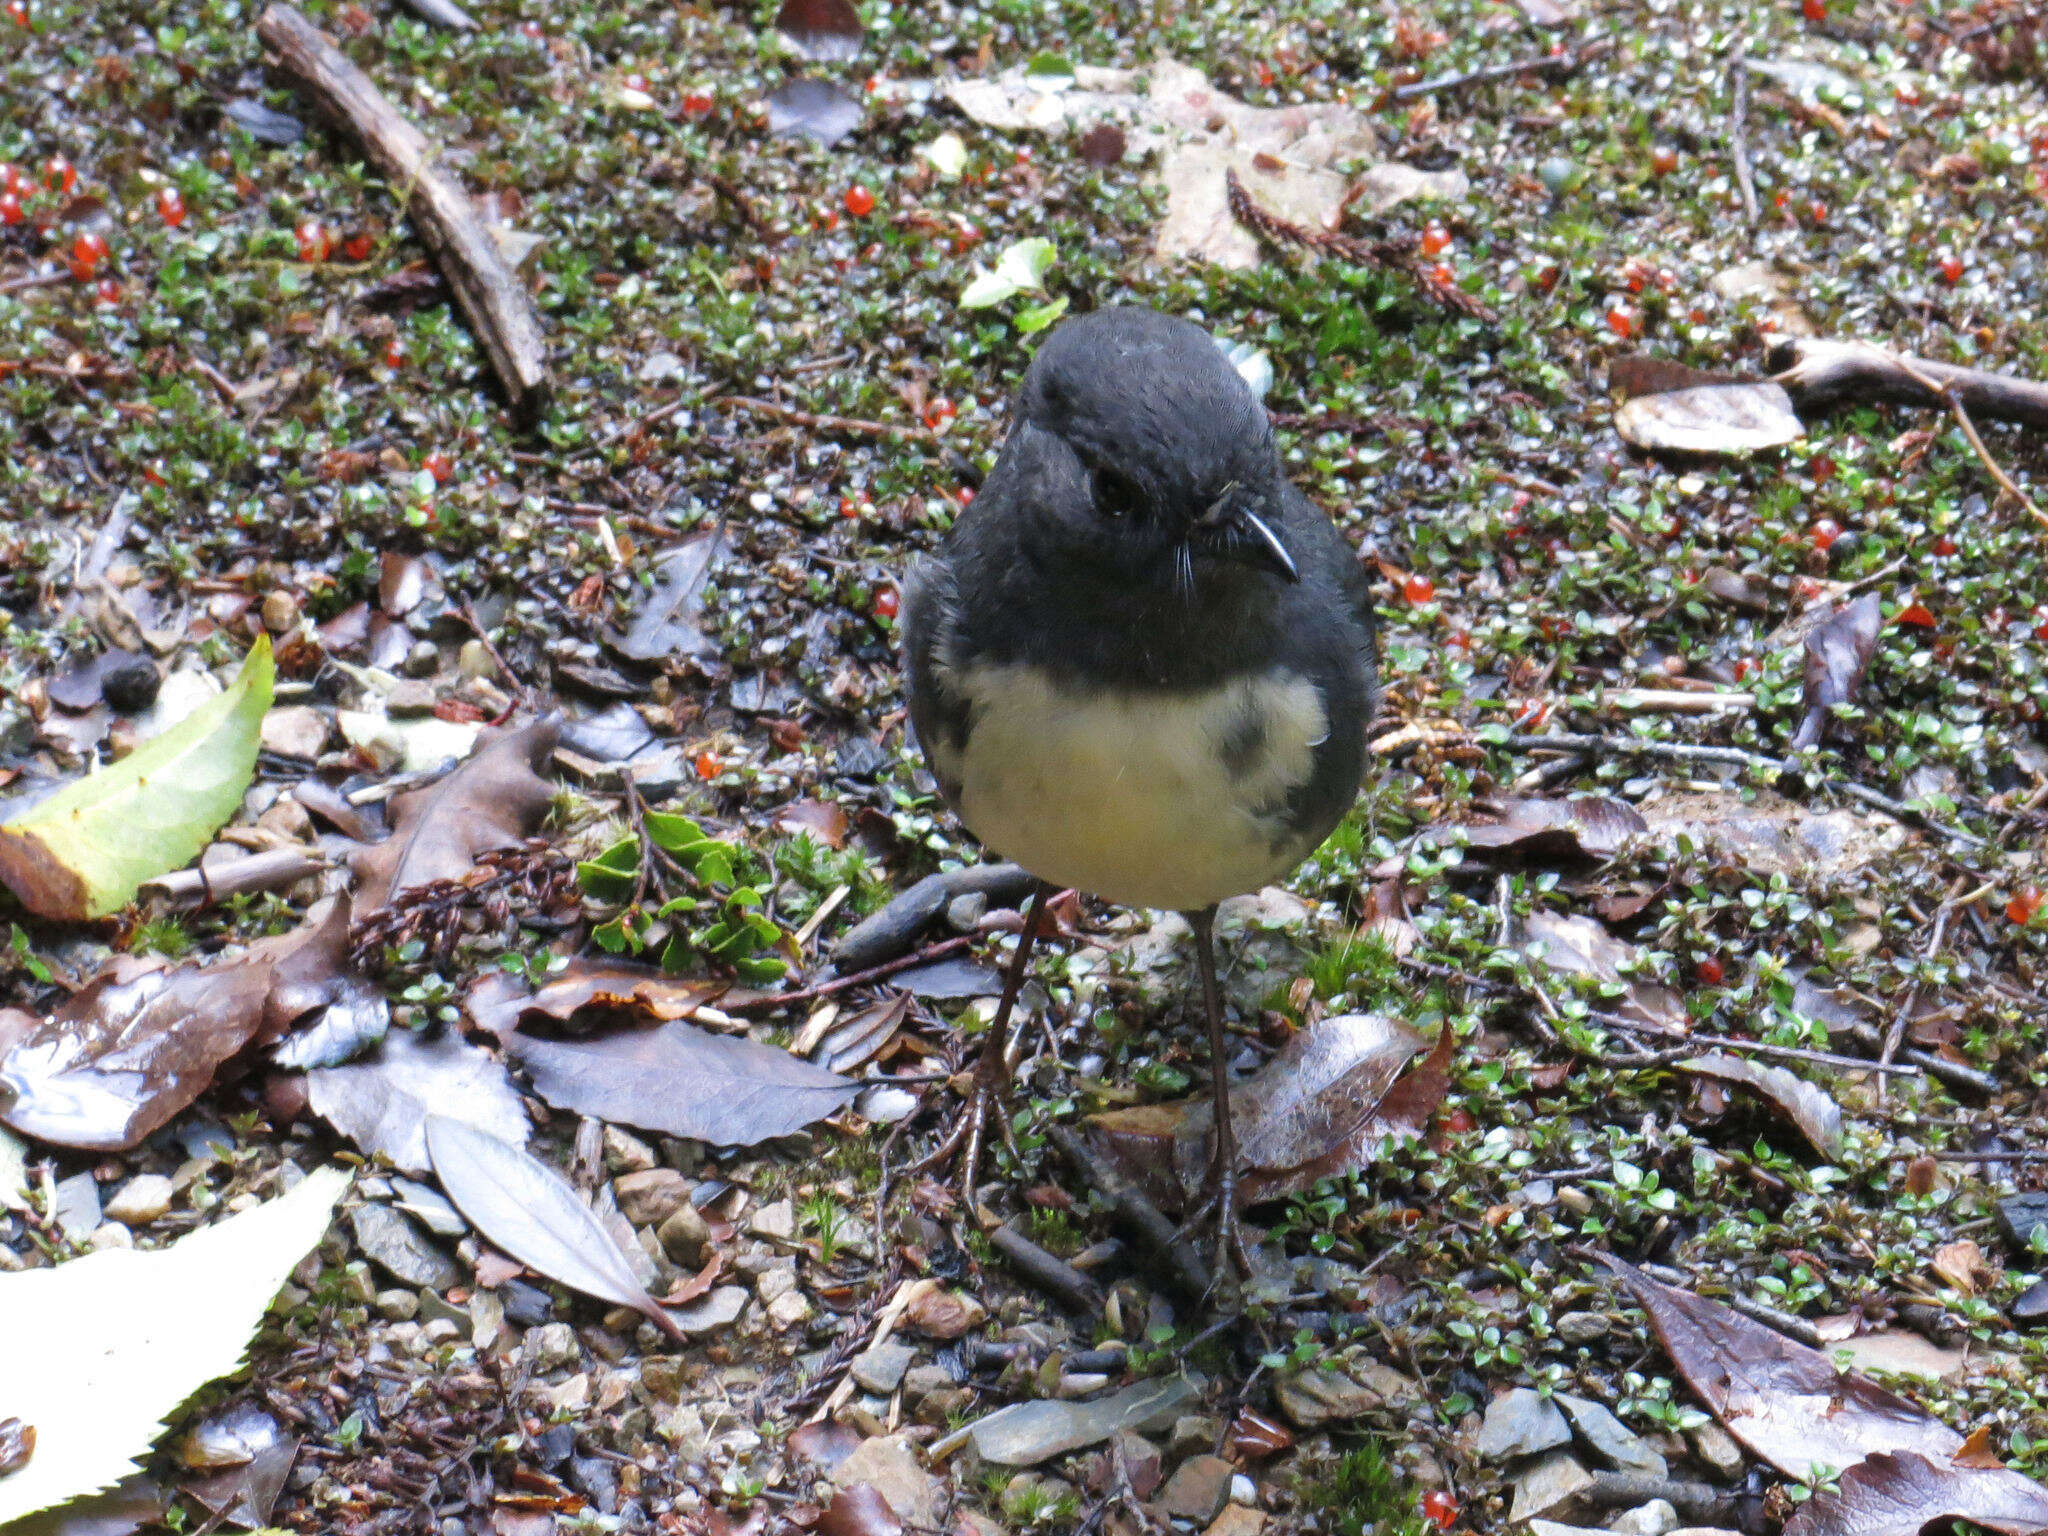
{"x": 1521, "y": 1423}
{"x": 551, "y": 1347}
{"x": 1024, "y": 1434}
{"x": 429, "y": 1207}
{"x": 1198, "y": 1489}
{"x": 1194, "y": 1433}
{"x": 776, "y": 1221}
{"x": 964, "y": 913}
{"x": 1717, "y": 1450}
{"x": 1610, "y": 1439}
{"x": 436, "y": 1308}
{"x": 297, "y": 731}
{"x": 410, "y": 699}
{"x": 706, "y": 1314}
{"x": 1552, "y": 1485}
{"x": 1310, "y": 1399}
{"x": 921, "y": 1381}
{"x": 776, "y": 1281}
{"x": 880, "y": 1369}
{"x": 395, "y": 1244}
{"x": 398, "y": 1305}
{"x": 626, "y": 1153}
{"x": 1582, "y": 1327}
{"x": 1656, "y": 1518}
{"x": 141, "y": 1200}
{"x": 890, "y": 1466}
{"x": 651, "y": 1196}
{"x": 788, "y": 1310}
{"x": 686, "y": 1236}
{"x": 443, "y": 1330}
{"x": 474, "y": 660}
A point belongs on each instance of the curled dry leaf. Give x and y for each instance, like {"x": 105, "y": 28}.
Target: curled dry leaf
{"x": 684, "y": 1081}
{"x": 859, "y": 1511}
{"x": 1905, "y": 1493}
{"x": 530, "y": 1211}
{"x": 381, "y": 1102}
{"x": 1786, "y": 1402}
{"x": 820, "y": 820}
{"x": 498, "y": 1001}
{"x": 1579, "y": 946}
{"x": 495, "y": 799}
{"x": 666, "y": 624}
{"x": 1582, "y": 827}
{"x": 1322, "y": 1107}
{"x": 825, "y": 31}
{"x": 1723, "y": 419}
{"x": 817, "y": 109}
{"x": 130, "y": 1049}
{"x": 84, "y": 851}
{"x": 1838, "y": 651}
{"x": 1816, "y": 1116}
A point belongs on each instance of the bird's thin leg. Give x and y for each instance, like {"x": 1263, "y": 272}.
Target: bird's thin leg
{"x": 1230, "y": 1249}
{"x": 992, "y": 1070}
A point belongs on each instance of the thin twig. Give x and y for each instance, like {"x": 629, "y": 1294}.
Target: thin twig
{"x": 1895, "y": 1036}
{"x": 2037, "y": 1155}
{"x": 35, "y": 280}
{"x": 1544, "y": 64}
{"x": 1946, "y": 392}
{"x": 838, "y": 984}
{"x": 851, "y": 425}
{"x": 1738, "y": 126}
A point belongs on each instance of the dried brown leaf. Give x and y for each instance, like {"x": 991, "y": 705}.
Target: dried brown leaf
{"x": 1903, "y": 1493}
{"x": 381, "y": 1101}
{"x": 1579, "y": 946}
{"x": 1582, "y": 827}
{"x": 1816, "y": 1116}
{"x": 497, "y": 1002}
{"x": 1838, "y": 651}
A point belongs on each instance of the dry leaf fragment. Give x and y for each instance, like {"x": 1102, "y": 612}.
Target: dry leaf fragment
{"x": 1723, "y": 419}
{"x": 1904, "y": 1493}
{"x": 1838, "y": 651}
{"x": 1816, "y": 1117}
{"x": 381, "y": 1101}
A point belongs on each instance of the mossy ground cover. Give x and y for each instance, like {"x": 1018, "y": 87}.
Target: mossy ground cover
{"x": 266, "y": 420}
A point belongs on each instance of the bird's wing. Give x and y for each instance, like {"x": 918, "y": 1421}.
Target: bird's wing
{"x": 937, "y": 712}
{"x": 1332, "y": 556}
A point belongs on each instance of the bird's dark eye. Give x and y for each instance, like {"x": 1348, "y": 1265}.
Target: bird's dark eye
{"x": 1116, "y": 495}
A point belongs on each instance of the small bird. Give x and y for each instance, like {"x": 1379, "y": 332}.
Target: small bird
{"x": 1143, "y": 664}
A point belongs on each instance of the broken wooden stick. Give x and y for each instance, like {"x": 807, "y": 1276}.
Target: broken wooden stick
{"x": 485, "y": 287}
{"x": 1820, "y": 373}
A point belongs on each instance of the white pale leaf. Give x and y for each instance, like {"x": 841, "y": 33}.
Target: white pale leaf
{"x": 948, "y": 155}
{"x": 1026, "y": 263}
{"x": 985, "y": 289}
{"x": 100, "y": 1351}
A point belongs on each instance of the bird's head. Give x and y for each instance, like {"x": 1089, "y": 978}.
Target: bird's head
{"x": 1144, "y": 458}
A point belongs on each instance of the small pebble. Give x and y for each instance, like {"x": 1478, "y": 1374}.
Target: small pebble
{"x": 141, "y": 1200}
{"x": 130, "y": 687}
{"x": 398, "y": 1305}
{"x": 1581, "y": 1327}
{"x": 280, "y": 612}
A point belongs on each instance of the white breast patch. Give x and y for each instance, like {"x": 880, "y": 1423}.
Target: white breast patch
{"x": 1132, "y": 796}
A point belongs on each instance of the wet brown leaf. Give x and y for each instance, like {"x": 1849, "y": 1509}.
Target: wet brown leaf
{"x": 1812, "y": 1113}
{"x": 823, "y": 1444}
{"x": 1786, "y": 1402}
{"x": 1583, "y": 827}
{"x": 250, "y": 1456}
{"x": 666, "y": 624}
{"x": 1636, "y": 375}
{"x": 820, "y": 819}
{"x": 684, "y": 1081}
{"x": 1323, "y": 1106}
{"x": 130, "y": 1049}
{"x": 381, "y": 1101}
{"x": 494, "y": 800}
{"x": 1962, "y": 1265}
{"x": 1900, "y": 1494}
{"x": 859, "y": 1511}
{"x": 498, "y": 1002}
{"x": 1103, "y": 144}
{"x": 1838, "y": 651}
{"x": 1254, "y": 1437}
{"x": 530, "y": 1211}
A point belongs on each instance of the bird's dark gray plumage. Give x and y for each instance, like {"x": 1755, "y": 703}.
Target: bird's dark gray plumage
{"x": 1143, "y": 664}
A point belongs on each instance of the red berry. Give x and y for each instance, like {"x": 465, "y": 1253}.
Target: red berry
{"x": 1435, "y": 239}
{"x": 1824, "y": 533}
{"x": 886, "y": 603}
{"x": 698, "y": 105}
{"x": 1419, "y": 590}
{"x": 1459, "y": 640}
{"x": 1814, "y": 10}
{"x": 10, "y": 209}
{"x": 59, "y": 174}
{"x": 1635, "y": 274}
{"x": 533, "y": 29}
{"x": 1621, "y": 320}
{"x": 87, "y": 252}
{"x": 17, "y": 12}
{"x": 394, "y": 353}
{"x": 849, "y": 506}
{"x": 1456, "y": 1120}
{"x": 2041, "y": 624}
{"x": 1709, "y": 972}
{"x": 1908, "y": 95}
{"x": 108, "y": 290}
{"x": 315, "y": 243}
{"x": 939, "y": 412}
{"x": 1745, "y": 667}
{"x": 1781, "y": 198}
{"x": 1915, "y": 614}
{"x": 860, "y": 202}
{"x": 440, "y": 466}
{"x": 1439, "y": 1506}
{"x": 358, "y": 247}
{"x": 170, "y": 206}
{"x": 1817, "y": 211}
{"x": 1944, "y": 546}
{"x": 1442, "y": 275}
{"x": 965, "y": 495}
{"x": 2026, "y": 901}
{"x": 1663, "y": 160}
{"x": 707, "y": 766}
{"x": 1952, "y": 268}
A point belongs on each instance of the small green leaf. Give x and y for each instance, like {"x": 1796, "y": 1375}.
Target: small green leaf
{"x": 673, "y": 833}
{"x": 1048, "y": 72}
{"x": 612, "y": 874}
{"x": 1039, "y": 316}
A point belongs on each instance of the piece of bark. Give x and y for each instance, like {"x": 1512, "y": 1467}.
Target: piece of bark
{"x": 200, "y": 885}
{"x": 1820, "y": 373}
{"x": 485, "y": 287}
{"x": 893, "y": 930}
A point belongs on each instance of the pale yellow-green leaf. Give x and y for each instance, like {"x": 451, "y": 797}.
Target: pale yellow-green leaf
{"x": 84, "y": 851}
{"x": 101, "y": 1350}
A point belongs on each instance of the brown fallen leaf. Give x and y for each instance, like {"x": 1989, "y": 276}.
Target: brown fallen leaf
{"x": 825, "y": 31}
{"x": 1962, "y": 1265}
{"x": 1635, "y": 375}
{"x": 1812, "y": 1113}
{"x": 1838, "y": 651}
{"x": 938, "y": 1313}
{"x": 696, "y": 1285}
{"x": 495, "y": 799}
{"x": 1903, "y": 1493}
{"x": 1322, "y": 1107}
{"x": 1786, "y": 1402}
{"x": 381, "y": 1101}
{"x": 683, "y": 1081}
{"x": 497, "y": 1002}
{"x": 130, "y": 1049}
{"x": 819, "y": 819}
{"x": 859, "y": 1511}
{"x": 1579, "y": 946}
{"x": 1720, "y": 419}
{"x": 1582, "y": 827}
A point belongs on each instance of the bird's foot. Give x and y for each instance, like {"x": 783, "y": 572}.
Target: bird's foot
{"x": 965, "y": 1143}
{"x": 1218, "y": 1212}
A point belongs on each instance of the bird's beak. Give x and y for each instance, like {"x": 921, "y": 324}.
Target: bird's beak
{"x": 1240, "y": 534}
